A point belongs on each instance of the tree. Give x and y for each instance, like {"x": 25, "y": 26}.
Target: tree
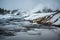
{"x": 4, "y": 11}
{"x": 1, "y": 11}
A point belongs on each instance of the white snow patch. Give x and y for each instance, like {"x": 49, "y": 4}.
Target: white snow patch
{"x": 34, "y": 16}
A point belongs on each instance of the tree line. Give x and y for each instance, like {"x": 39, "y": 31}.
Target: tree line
{"x": 4, "y": 11}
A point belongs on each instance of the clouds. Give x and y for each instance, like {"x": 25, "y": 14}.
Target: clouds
{"x": 28, "y": 4}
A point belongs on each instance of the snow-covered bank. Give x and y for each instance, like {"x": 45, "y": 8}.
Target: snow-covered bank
{"x": 6, "y": 16}
{"x": 37, "y": 15}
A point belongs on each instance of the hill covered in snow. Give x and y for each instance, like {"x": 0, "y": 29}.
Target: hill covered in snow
{"x": 44, "y": 16}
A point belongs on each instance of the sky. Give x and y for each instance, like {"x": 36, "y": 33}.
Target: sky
{"x": 29, "y": 4}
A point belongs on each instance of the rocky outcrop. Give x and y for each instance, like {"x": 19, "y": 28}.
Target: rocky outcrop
{"x": 46, "y": 19}
{"x": 42, "y": 20}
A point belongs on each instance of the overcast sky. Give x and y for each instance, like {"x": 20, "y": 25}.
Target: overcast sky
{"x": 29, "y": 4}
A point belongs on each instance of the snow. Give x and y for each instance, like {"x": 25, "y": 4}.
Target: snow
{"x": 6, "y": 16}
{"x": 57, "y": 23}
{"x": 31, "y": 16}
{"x": 37, "y": 15}
{"x": 34, "y": 16}
{"x": 55, "y": 17}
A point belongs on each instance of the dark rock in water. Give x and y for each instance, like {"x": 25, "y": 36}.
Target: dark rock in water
{"x": 2, "y": 31}
{"x": 15, "y": 30}
{"x": 32, "y": 26}
{"x": 16, "y": 19}
{"x": 6, "y": 33}
{"x": 9, "y": 34}
{"x": 56, "y": 25}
